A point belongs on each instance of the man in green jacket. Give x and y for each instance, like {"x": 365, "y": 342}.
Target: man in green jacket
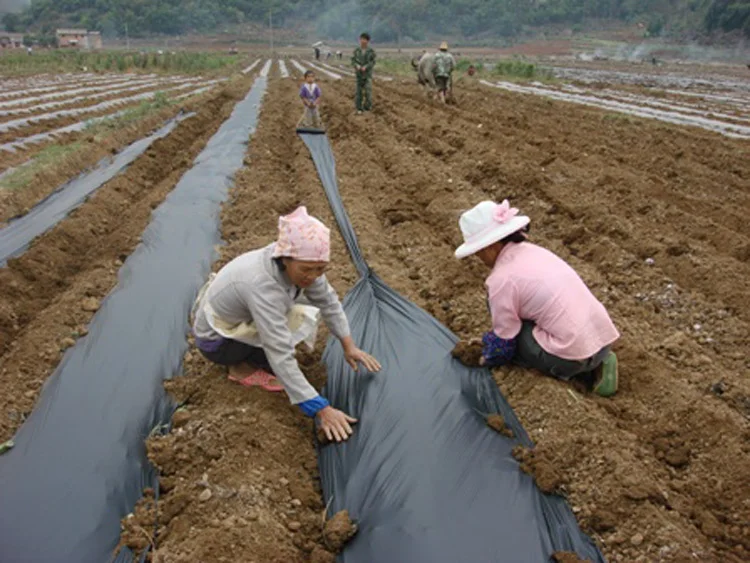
{"x": 363, "y": 61}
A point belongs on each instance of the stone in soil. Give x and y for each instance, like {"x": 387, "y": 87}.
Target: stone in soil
{"x": 90, "y": 305}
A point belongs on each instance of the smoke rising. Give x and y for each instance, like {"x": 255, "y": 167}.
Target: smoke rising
{"x": 13, "y": 5}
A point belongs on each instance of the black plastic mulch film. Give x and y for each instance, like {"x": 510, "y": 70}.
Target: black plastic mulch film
{"x": 426, "y": 479}
{"x": 79, "y": 463}
{"x": 18, "y": 234}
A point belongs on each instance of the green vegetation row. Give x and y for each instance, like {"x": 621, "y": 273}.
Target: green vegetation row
{"x": 386, "y": 19}
{"x": 71, "y": 61}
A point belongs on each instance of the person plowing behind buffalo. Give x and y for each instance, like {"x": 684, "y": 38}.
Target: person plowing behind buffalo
{"x": 442, "y": 69}
{"x": 543, "y": 315}
{"x": 253, "y": 312}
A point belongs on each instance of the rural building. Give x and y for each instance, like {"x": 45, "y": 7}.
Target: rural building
{"x": 79, "y": 38}
{"x": 11, "y": 40}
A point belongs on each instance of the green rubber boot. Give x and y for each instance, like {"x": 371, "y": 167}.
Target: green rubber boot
{"x": 607, "y": 384}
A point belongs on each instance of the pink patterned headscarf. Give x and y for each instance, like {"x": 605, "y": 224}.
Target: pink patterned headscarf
{"x": 303, "y": 237}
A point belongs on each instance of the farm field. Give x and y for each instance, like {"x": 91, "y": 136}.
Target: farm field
{"x": 639, "y": 178}
{"x": 54, "y": 126}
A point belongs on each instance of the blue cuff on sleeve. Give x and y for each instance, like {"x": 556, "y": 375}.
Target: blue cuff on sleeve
{"x": 497, "y": 351}
{"x": 312, "y": 406}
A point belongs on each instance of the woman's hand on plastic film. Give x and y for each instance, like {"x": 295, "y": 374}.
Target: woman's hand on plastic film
{"x": 335, "y": 424}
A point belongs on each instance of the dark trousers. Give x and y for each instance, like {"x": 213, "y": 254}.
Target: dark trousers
{"x": 363, "y": 96}
{"x": 529, "y": 354}
{"x": 232, "y": 352}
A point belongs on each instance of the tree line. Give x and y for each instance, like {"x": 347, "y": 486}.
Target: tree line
{"x": 387, "y": 19}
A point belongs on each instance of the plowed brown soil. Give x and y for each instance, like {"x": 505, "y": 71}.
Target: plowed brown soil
{"x": 651, "y": 215}
{"x": 50, "y": 292}
{"x": 659, "y": 472}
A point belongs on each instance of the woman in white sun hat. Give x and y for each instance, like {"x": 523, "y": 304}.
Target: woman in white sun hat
{"x": 543, "y": 315}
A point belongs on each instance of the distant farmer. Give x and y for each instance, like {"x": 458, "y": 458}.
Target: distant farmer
{"x": 310, "y": 95}
{"x": 250, "y": 317}
{"x": 543, "y": 315}
{"x": 442, "y": 69}
{"x": 317, "y": 54}
{"x": 363, "y": 62}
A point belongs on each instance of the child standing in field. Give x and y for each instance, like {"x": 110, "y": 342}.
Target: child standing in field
{"x": 310, "y": 94}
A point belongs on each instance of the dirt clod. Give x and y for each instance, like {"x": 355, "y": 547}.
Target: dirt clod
{"x": 568, "y": 557}
{"x": 468, "y": 353}
{"x": 320, "y": 555}
{"x": 535, "y": 463}
{"x": 497, "y": 423}
{"x": 603, "y": 520}
{"x": 338, "y": 531}
{"x": 180, "y": 418}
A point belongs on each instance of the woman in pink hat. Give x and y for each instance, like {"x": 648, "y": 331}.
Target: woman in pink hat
{"x": 543, "y": 315}
{"x": 249, "y": 317}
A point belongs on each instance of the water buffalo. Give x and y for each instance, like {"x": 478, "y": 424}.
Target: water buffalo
{"x": 423, "y": 65}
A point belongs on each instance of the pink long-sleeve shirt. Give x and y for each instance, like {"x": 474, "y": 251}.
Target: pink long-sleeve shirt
{"x": 530, "y": 283}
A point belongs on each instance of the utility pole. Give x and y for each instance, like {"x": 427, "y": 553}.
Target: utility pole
{"x": 127, "y": 37}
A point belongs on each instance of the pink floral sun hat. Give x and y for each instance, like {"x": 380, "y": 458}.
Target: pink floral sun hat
{"x": 303, "y": 237}
{"x": 486, "y": 223}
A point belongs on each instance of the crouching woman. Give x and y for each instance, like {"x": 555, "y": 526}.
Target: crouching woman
{"x": 543, "y": 315}
{"x": 252, "y": 314}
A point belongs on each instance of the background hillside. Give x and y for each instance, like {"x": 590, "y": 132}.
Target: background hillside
{"x": 388, "y": 19}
